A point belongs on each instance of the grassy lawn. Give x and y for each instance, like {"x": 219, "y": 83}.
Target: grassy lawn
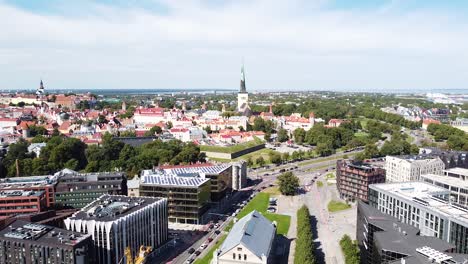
{"x": 272, "y": 190}
{"x": 265, "y": 153}
{"x": 335, "y": 206}
{"x": 319, "y": 184}
{"x": 209, "y": 255}
{"x": 260, "y": 203}
{"x": 324, "y": 159}
{"x": 410, "y": 139}
{"x": 233, "y": 148}
{"x": 317, "y": 168}
{"x": 330, "y": 176}
{"x": 361, "y": 134}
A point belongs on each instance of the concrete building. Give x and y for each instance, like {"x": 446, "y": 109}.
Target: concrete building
{"x": 249, "y": 241}
{"x": 410, "y": 168}
{"x": 117, "y": 222}
{"x": 76, "y": 190}
{"x": 455, "y": 180}
{"x": 22, "y": 202}
{"x": 27, "y": 243}
{"x": 188, "y": 196}
{"x": 384, "y": 239}
{"x": 133, "y": 187}
{"x": 353, "y": 179}
{"x": 451, "y": 158}
{"x": 425, "y": 207}
{"x": 32, "y": 183}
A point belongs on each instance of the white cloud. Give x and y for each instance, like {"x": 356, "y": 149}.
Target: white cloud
{"x": 286, "y": 45}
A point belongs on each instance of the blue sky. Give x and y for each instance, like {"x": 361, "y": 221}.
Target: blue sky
{"x": 371, "y": 45}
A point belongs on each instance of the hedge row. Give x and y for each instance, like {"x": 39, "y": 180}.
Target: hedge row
{"x": 304, "y": 253}
{"x": 350, "y": 250}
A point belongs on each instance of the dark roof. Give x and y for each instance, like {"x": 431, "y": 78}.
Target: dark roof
{"x": 112, "y": 207}
{"x": 41, "y": 234}
{"x": 405, "y": 239}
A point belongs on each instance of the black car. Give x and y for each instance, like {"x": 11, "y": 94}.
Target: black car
{"x": 197, "y": 252}
{"x": 217, "y": 232}
{"x": 191, "y": 250}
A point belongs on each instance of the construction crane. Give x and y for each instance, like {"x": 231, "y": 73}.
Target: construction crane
{"x": 140, "y": 258}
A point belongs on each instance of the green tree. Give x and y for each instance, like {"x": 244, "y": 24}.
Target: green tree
{"x": 283, "y": 135}
{"x": 275, "y": 157}
{"x": 288, "y": 183}
{"x": 260, "y": 161}
{"x": 304, "y": 252}
{"x": 299, "y": 135}
{"x": 324, "y": 149}
{"x": 285, "y": 156}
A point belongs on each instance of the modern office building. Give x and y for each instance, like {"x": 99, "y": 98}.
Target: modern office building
{"x": 21, "y": 202}
{"x": 411, "y": 167}
{"x": 384, "y": 239}
{"x": 120, "y": 222}
{"x": 76, "y": 190}
{"x": 425, "y": 207}
{"x": 223, "y": 177}
{"x": 27, "y": 243}
{"x": 455, "y": 180}
{"x": 188, "y": 196}
{"x": 33, "y": 183}
{"x": 353, "y": 179}
{"x": 249, "y": 241}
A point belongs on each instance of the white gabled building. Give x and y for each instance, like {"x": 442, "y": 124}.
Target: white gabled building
{"x": 410, "y": 168}
{"x": 249, "y": 241}
{"x": 117, "y": 222}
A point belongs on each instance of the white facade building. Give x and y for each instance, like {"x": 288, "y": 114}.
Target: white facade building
{"x": 424, "y": 206}
{"x": 249, "y": 241}
{"x": 410, "y": 168}
{"x": 455, "y": 180}
{"x": 117, "y": 222}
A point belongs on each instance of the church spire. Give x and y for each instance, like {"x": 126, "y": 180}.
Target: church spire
{"x": 242, "y": 82}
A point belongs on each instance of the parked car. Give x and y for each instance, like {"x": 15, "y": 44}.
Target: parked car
{"x": 191, "y": 250}
{"x": 217, "y": 232}
{"x": 189, "y": 261}
{"x": 202, "y": 247}
{"x": 210, "y": 239}
{"x": 197, "y": 253}
{"x": 217, "y": 225}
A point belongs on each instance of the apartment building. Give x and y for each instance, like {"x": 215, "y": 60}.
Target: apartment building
{"x": 411, "y": 167}
{"x": 353, "y": 179}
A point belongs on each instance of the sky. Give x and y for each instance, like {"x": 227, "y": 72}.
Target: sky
{"x": 366, "y": 45}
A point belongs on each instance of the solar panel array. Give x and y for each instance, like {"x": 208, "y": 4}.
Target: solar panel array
{"x": 159, "y": 179}
{"x": 215, "y": 169}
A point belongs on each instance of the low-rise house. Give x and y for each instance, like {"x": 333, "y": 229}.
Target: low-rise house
{"x": 249, "y": 241}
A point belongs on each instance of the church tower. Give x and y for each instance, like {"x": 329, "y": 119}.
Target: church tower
{"x": 242, "y": 96}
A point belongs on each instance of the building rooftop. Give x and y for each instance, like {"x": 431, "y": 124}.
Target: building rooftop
{"x": 111, "y": 207}
{"x": 452, "y": 181}
{"x": 426, "y": 195}
{"x": 458, "y": 171}
{"x": 205, "y": 168}
{"x": 17, "y": 193}
{"x": 253, "y": 231}
{"x": 162, "y": 177}
{"x": 412, "y": 158}
{"x": 405, "y": 239}
{"x": 22, "y": 230}
{"x": 30, "y": 180}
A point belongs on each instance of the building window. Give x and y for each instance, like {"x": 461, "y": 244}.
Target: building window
{"x": 240, "y": 256}
{"x": 233, "y": 255}
{"x": 239, "y": 249}
{"x": 245, "y": 256}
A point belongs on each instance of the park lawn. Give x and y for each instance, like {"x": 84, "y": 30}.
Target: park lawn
{"x": 209, "y": 255}
{"x": 323, "y": 159}
{"x": 361, "y": 134}
{"x": 260, "y": 203}
{"x": 272, "y": 190}
{"x": 335, "y": 206}
{"x": 265, "y": 153}
{"x": 319, "y": 184}
{"x": 233, "y": 148}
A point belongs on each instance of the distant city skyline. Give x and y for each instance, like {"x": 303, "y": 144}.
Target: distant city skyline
{"x": 367, "y": 46}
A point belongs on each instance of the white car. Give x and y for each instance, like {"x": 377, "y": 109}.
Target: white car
{"x": 203, "y": 246}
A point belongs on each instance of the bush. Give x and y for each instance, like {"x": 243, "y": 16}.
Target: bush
{"x": 304, "y": 253}
{"x": 350, "y": 250}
